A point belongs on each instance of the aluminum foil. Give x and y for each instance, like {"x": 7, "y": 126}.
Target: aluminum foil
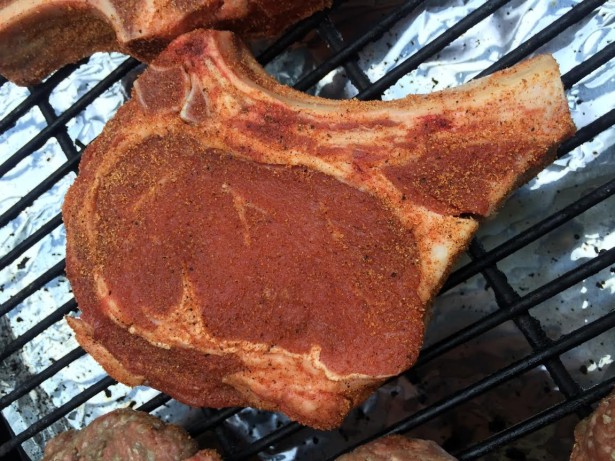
{"x": 563, "y": 249}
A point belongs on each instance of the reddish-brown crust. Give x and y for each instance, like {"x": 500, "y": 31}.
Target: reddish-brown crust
{"x": 49, "y": 35}
{"x": 124, "y": 434}
{"x": 27, "y": 53}
{"x": 398, "y": 448}
{"x": 595, "y": 435}
{"x": 233, "y": 242}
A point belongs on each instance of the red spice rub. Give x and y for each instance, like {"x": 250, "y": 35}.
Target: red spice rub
{"x": 231, "y": 241}
{"x": 38, "y": 37}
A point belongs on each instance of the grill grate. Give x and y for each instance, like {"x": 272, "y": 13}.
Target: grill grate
{"x": 490, "y": 264}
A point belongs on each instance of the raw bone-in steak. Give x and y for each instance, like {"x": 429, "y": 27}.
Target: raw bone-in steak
{"x": 232, "y": 241}
{"x": 40, "y": 36}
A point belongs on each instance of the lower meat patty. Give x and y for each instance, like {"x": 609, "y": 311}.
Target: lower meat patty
{"x": 398, "y": 448}
{"x": 231, "y": 241}
{"x": 126, "y": 435}
{"x": 594, "y": 437}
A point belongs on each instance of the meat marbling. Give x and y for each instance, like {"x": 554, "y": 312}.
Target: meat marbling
{"x": 231, "y": 241}
{"x": 40, "y": 36}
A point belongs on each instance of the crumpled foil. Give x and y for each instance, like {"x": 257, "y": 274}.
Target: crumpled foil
{"x": 566, "y": 179}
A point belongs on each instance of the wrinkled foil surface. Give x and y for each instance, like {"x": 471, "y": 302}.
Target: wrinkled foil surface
{"x": 568, "y": 178}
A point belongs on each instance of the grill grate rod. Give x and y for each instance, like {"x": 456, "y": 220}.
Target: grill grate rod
{"x": 543, "y": 227}
{"x": 56, "y": 414}
{"x": 42, "y": 325}
{"x": 154, "y": 403}
{"x": 538, "y": 421}
{"x": 546, "y": 291}
{"x": 588, "y": 132}
{"x": 262, "y": 443}
{"x": 39, "y": 190}
{"x": 296, "y": 33}
{"x": 42, "y": 136}
{"x": 558, "y": 347}
{"x": 528, "y": 325}
{"x": 433, "y": 47}
{"x": 55, "y": 271}
{"x": 582, "y": 70}
{"x": 333, "y": 37}
{"x": 30, "y": 241}
{"x": 347, "y": 52}
{"x": 61, "y": 135}
{"x": 531, "y": 234}
{"x": 37, "y": 93}
{"x": 33, "y": 381}
{"x": 576, "y": 13}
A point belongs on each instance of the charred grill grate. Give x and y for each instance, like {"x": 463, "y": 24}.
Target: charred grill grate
{"x": 542, "y": 351}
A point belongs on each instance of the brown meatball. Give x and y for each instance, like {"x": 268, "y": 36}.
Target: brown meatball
{"x": 595, "y": 435}
{"x": 398, "y": 448}
{"x": 128, "y": 435}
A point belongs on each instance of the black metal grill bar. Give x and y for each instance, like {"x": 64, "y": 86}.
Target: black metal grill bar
{"x": 154, "y": 403}
{"x": 350, "y": 50}
{"x": 56, "y": 414}
{"x": 30, "y": 241}
{"x": 61, "y": 134}
{"x": 42, "y": 325}
{"x": 39, "y": 140}
{"x": 262, "y": 443}
{"x": 588, "y": 132}
{"x": 33, "y": 381}
{"x": 39, "y": 190}
{"x": 332, "y": 36}
{"x": 433, "y": 47}
{"x": 538, "y": 421}
{"x": 37, "y": 93}
{"x": 579, "y": 72}
{"x": 539, "y": 356}
{"x": 530, "y": 327}
{"x": 212, "y": 420}
{"x": 295, "y": 34}
{"x": 546, "y": 291}
{"x": 576, "y": 13}
{"x": 531, "y": 234}
{"x": 53, "y": 272}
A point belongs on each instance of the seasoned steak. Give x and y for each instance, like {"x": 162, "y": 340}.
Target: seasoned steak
{"x": 126, "y": 435}
{"x": 231, "y": 241}
{"x": 40, "y": 36}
